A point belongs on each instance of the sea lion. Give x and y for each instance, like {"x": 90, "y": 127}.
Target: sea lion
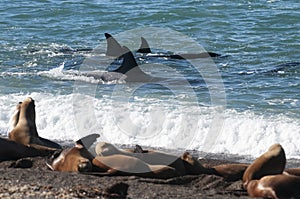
{"x": 70, "y": 159}
{"x": 292, "y": 171}
{"x": 127, "y": 165}
{"x": 230, "y": 172}
{"x": 25, "y": 131}
{"x": 79, "y": 159}
{"x": 275, "y": 187}
{"x": 193, "y": 166}
{"x": 11, "y": 150}
{"x": 149, "y": 157}
{"x": 76, "y": 159}
{"x": 271, "y": 162}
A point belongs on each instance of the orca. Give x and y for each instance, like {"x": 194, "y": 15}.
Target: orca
{"x": 128, "y": 71}
{"x": 115, "y": 49}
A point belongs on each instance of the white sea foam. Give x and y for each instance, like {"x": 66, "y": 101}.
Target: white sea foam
{"x": 242, "y": 133}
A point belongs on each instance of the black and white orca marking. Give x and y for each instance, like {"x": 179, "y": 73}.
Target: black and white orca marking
{"x": 128, "y": 71}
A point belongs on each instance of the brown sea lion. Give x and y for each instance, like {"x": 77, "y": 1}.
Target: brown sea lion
{"x": 127, "y": 165}
{"x": 15, "y": 118}
{"x": 10, "y": 150}
{"x": 275, "y": 187}
{"x": 25, "y": 131}
{"x": 77, "y": 158}
{"x": 292, "y": 171}
{"x": 271, "y": 162}
{"x": 147, "y": 156}
{"x": 231, "y": 172}
{"x": 193, "y": 165}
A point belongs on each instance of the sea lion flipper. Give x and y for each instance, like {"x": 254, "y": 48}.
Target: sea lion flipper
{"x": 88, "y": 140}
{"x": 48, "y": 143}
{"x": 51, "y": 158}
{"x": 138, "y": 149}
{"x": 42, "y": 147}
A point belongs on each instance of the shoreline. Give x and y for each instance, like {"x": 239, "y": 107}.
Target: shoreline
{"x": 31, "y": 178}
{"x": 37, "y": 181}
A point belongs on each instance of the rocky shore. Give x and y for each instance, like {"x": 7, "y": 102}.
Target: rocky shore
{"x": 30, "y": 178}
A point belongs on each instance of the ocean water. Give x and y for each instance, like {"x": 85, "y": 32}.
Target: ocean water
{"x": 237, "y": 104}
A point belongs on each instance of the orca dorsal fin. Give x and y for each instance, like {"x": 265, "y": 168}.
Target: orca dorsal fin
{"x": 128, "y": 62}
{"x": 113, "y": 49}
{"x": 144, "y": 48}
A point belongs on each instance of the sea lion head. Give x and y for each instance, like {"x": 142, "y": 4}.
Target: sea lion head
{"x": 252, "y": 188}
{"x": 71, "y": 159}
{"x": 28, "y": 107}
{"x": 76, "y": 158}
{"x": 264, "y": 188}
{"x": 192, "y": 165}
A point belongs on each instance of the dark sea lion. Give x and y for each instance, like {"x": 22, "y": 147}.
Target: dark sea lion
{"x": 231, "y": 172}
{"x": 271, "y": 162}
{"x": 292, "y": 171}
{"x": 10, "y": 150}
{"x": 193, "y": 165}
{"x": 275, "y": 187}
{"x": 25, "y": 131}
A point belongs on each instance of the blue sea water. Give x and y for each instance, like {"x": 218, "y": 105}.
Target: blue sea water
{"x": 43, "y": 46}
